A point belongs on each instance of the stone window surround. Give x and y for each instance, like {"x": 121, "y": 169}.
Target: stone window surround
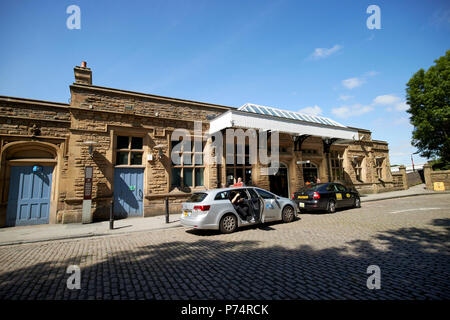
{"x": 379, "y": 167}
{"x": 129, "y": 150}
{"x": 337, "y": 156}
{"x": 358, "y": 166}
{"x": 192, "y": 166}
{"x": 116, "y": 131}
{"x": 236, "y": 166}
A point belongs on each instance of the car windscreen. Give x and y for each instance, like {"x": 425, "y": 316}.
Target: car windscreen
{"x": 197, "y": 197}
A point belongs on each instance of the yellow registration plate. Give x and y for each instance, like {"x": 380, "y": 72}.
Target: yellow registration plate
{"x": 303, "y": 197}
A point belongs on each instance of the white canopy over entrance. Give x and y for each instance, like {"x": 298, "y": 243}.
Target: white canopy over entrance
{"x": 264, "y": 118}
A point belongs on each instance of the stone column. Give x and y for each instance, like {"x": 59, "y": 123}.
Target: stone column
{"x": 402, "y": 170}
{"x": 427, "y": 176}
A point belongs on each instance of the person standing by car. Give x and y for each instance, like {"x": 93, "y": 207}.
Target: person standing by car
{"x": 239, "y": 183}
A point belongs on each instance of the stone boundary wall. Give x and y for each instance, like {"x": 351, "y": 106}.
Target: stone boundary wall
{"x": 400, "y": 179}
{"x": 436, "y": 176}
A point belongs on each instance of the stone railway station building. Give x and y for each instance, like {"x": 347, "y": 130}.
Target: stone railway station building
{"x": 126, "y": 138}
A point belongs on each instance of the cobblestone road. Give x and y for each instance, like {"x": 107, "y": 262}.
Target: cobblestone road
{"x": 319, "y": 256}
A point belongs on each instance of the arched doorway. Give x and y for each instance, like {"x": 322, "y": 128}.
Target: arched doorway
{"x": 279, "y": 182}
{"x": 310, "y": 172}
{"x": 29, "y": 173}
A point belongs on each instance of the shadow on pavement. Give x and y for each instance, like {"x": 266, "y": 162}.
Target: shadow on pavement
{"x": 414, "y": 263}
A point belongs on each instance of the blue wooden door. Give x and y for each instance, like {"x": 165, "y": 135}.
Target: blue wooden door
{"x": 128, "y": 192}
{"x": 29, "y": 196}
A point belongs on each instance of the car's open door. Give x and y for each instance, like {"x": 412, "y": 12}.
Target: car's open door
{"x": 258, "y": 204}
{"x": 271, "y": 207}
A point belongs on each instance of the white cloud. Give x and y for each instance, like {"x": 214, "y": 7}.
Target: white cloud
{"x": 371, "y": 73}
{"x": 343, "y": 97}
{"x": 320, "y": 53}
{"x": 402, "y": 106}
{"x": 400, "y": 121}
{"x": 392, "y": 102}
{"x": 352, "y": 82}
{"x": 358, "y": 81}
{"x": 351, "y": 111}
{"x": 341, "y": 112}
{"x": 315, "y": 111}
{"x": 386, "y": 100}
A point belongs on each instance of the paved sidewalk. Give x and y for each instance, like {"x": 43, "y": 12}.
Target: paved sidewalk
{"x": 413, "y": 191}
{"x": 45, "y": 232}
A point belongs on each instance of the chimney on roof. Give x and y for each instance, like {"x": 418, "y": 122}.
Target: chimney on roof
{"x": 83, "y": 74}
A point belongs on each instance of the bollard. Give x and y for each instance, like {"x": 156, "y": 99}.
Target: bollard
{"x": 111, "y": 216}
{"x": 167, "y": 209}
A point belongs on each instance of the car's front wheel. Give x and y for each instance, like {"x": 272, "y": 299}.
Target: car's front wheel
{"x": 288, "y": 214}
{"x": 228, "y": 223}
{"x": 331, "y": 207}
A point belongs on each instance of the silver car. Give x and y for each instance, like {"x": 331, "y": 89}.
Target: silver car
{"x": 212, "y": 209}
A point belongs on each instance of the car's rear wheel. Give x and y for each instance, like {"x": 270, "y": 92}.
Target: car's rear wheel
{"x": 331, "y": 207}
{"x": 357, "y": 202}
{"x": 288, "y": 214}
{"x": 228, "y": 223}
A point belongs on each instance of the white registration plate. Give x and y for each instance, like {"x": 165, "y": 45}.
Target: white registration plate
{"x": 301, "y": 204}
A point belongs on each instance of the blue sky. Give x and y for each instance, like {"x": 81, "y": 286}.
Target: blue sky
{"x": 310, "y": 56}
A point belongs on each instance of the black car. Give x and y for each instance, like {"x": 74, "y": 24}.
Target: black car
{"x": 326, "y": 196}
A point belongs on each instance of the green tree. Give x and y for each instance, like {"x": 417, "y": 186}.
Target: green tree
{"x": 428, "y": 96}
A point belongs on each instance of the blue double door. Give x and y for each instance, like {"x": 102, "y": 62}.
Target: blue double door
{"x": 29, "y": 195}
{"x": 128, "y": 192}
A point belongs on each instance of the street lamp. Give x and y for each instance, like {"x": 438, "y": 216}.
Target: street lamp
{"x": 160, "y": 152}
{"x": 90, "y": 144}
